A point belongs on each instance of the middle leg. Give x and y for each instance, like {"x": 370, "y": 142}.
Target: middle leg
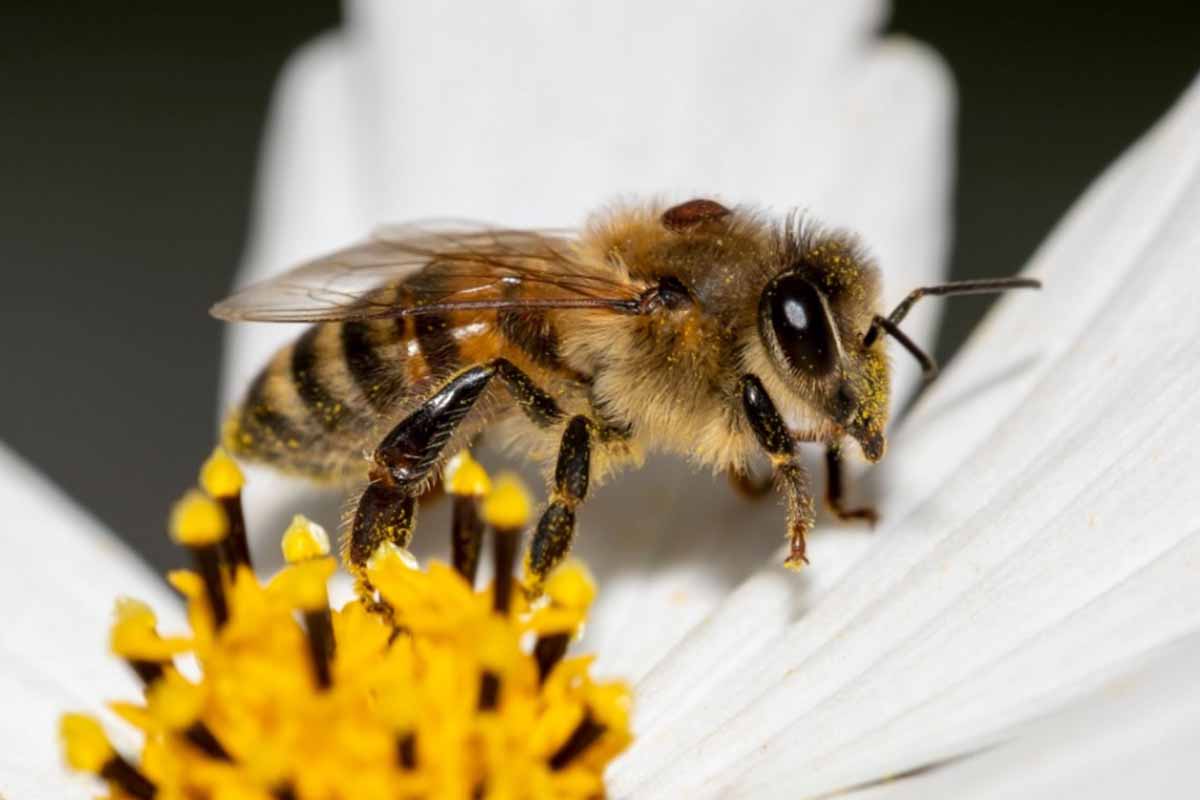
{"x": 556, "y": 529}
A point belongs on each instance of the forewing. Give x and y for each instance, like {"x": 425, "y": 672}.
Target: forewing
{"x": 450, "y": 266}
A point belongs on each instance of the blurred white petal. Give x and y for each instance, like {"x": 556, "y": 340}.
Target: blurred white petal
{"x": 1040, "y": 531}
{"x": 535, "y": 114}
{"x": 1136, "y": 735}
{"x": 58, "y": 597}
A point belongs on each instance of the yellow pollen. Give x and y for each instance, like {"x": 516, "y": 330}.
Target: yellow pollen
{"x": 304, "y": 540}
{"x": 220, "y": 476}
{"x": 198, "y": 520}
{"x": 390, "y": 553}
{"x": 84, "y": 744}
{"x": 174, "y": 702}
{"x": 464, "y": 475}
{"x": 507, "y": 506}
{"x": 569, "y": 592}
{"x": 571, "y": 585}
{"x": 134, "y": 635}
{"x": 420, "y": 689}
{"x": 303, "y": 583}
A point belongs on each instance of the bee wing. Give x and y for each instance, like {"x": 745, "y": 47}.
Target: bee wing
{"x": 443, "y": 267}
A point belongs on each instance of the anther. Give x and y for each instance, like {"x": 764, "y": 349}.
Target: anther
{"x": 176, "y": 703}
{"x": 88, "y": 750}
{"x": 506, "y": 509}
{"x": 304, "y": 540}
{"x": 570, "y": 591}
{"x": 466, "y": 480}
{"x": 134, "y": 637}
{"x": 222, "y": 480}
{"x": 201, "y": 525}
{"x": 305, "y": 547}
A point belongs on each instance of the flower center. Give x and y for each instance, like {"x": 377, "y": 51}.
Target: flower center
{"x": 432, "y": 688}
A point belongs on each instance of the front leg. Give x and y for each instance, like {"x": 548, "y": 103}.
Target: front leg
{"x": 835, "y": 487}
{"x": 775, "y": 438}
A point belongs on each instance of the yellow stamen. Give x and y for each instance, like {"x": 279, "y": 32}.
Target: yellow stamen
{"x": 464, "y": 475}
{"x": 302, "y": 585}
{"x": 571, "y": 586}
{"x": 198, "y": 520}
{"x": 84, "y": 744}
{"x": 220, "y": 476}
{"x": 135, "y": 636}
{"x": 173, "y": 702}
{"x": 508, "y": 506}
{"x": 429, "y": 689}
{"x": 389, "y": 552}
{"x": 186, "y": 582}
{"x": 569, "y": 594}
{"x": 304, "y": 540}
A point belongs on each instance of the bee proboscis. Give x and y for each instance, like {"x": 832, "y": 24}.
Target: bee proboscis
{"x": 697, "y": 329}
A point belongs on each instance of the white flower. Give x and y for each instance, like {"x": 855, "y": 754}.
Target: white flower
{"x": 1025, "y": 618}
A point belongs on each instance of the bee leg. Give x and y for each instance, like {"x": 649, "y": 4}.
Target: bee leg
{"x": 556, "y": 528}
{"x": 537, "y": 405}
{"x": 834, "y": 487}
{"x": 386, "y": 512}
{"x": 402, "y": 462}
{"x": 401, "y": 465}
{"x": 775, "y": 438}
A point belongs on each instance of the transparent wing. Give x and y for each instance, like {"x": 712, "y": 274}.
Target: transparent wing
{"x": 437, "y": 267}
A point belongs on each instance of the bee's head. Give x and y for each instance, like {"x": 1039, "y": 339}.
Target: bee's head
{"x": 813, "y": 317}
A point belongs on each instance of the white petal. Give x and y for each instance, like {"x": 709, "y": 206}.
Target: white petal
{"x": 64, "y": 574}
{"x": 537, "y": 113}
{"x": 1042, "y": 530}
{"x": 1136, "y": 735}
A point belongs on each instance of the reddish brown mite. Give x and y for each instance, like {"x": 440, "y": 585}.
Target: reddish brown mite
{"x": 697, "y": 329}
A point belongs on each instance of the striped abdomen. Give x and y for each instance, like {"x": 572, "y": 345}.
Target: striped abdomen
{"x": 330, "y": 396}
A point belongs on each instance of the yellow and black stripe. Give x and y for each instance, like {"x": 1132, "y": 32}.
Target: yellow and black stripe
{"x": 318, "y": 402}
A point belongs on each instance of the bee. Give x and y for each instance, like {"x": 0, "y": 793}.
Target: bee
{"x": 712, "y": 332}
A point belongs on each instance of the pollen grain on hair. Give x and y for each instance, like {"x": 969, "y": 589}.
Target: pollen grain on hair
{"x": 432, "y": 689}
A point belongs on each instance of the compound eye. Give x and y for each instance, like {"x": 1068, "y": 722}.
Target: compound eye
{"x": 802, "y": 326}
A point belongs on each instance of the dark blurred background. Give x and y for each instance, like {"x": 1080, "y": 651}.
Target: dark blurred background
{"x": 129, "y": 136}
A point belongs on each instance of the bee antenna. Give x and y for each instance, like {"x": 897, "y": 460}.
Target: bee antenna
{"x": 891, "y": 323}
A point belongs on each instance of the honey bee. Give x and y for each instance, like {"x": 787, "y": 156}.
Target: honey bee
{"x": 708, "y": 331}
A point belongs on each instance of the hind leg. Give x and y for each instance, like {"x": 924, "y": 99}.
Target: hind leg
{"x": 402, "y": 463}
